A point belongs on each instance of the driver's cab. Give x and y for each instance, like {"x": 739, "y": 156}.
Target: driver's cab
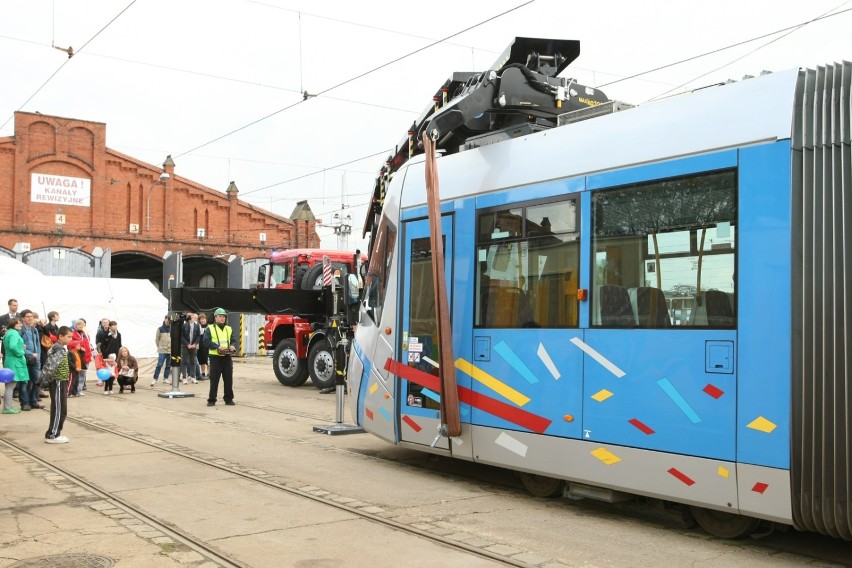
{"x": 275, "y": 275}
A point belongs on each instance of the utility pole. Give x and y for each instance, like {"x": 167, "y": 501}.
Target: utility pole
{"x": 342, "y": 225}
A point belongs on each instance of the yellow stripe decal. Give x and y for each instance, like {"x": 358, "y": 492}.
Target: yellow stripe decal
{"x": 602, "y": 395}
{"x": 762, "y": 424}
{"x": 496, "y": 385}
{"x": 606, "y": 456}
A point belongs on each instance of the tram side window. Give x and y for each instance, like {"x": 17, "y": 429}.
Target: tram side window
{"x": 528, "y": 260}
{"x": 378, "y": 270}
{"x": 665, "y": 253}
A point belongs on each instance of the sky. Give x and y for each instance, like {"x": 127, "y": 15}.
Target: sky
{"x": 219, "y": 84}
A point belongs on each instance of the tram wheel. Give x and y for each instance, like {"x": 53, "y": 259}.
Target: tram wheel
{"x": 289, "y": 369}
{"x": 724, "y": 525}
{"x": 542, "y": 486}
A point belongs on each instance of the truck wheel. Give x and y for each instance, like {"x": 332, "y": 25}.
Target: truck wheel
{"x": 321, "y": 365}
{"x": 312, "y": 280}
{"x": 290, "y": 370}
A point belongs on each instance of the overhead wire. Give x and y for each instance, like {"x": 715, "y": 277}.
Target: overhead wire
{"x": 240, "y": 81}
{"x": 219, "y": 77}
{"x": 70, "y": 55}
{"x": 788, "y": 31}
{"x": 382, "y": 152}
{"x": 373, "y": 155}
{"x": 725, "y": 48}
{"x": 358, "y": 24}
{"x": 355, "y": 78}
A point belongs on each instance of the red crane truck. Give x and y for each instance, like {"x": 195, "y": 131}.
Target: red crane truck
{"x": 298, "y": 341}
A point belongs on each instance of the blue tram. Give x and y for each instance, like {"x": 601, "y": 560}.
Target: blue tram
{"x": 650, "y": 300}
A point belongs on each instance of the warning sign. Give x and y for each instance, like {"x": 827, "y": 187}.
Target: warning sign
{"x": 60, "y": 190}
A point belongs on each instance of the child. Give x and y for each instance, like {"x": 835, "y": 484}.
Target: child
{"x": 110, "y": 365}
{"x": 74, "y": 367}
{"x": 128, "y": 370}
{"x": 58, "y": 371}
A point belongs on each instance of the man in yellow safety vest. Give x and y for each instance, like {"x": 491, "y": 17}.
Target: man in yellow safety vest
{"x": 221, "y": 344}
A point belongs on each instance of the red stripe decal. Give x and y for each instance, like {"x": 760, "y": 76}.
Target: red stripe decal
{"x": 713, "y": 391}
{"x": 414, "y": 425}
{"x": 641, "y": 426}
{"x": 417, "y": 376}
{"x": 682, "y": 476}
{"x": 528, "y": 420}
{"x": 369, "y": 413}
{"x": 490, "y": 405}
{"x": 760, "y": 487}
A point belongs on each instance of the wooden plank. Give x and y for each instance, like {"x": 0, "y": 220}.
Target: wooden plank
{"x": 449, "y": 389}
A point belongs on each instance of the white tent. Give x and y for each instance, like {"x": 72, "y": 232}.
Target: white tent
{"x": 136, "y": 305}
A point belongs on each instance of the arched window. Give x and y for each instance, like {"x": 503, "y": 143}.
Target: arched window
{"x": 207, "y": 281}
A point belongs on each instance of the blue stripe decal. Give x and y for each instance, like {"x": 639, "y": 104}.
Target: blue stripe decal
{"x": 428, "y": 393}
{"x": 385, "y": 413}
{"x": 506, "y": 353}
{"x": 366, "y": 365}
{"x": 676, "y": 397}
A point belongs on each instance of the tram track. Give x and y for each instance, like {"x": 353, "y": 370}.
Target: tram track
{"x": 813, "y": 546}
{"x": 357, "y": 508}
{"x": 178, "y": 535}
{"x": 779, "y": 540}
{"x": 476, "y": 474}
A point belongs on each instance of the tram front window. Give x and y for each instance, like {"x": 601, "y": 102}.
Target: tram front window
{"x": 665, "y": 253}
{"x": 422, "y": 339}
{"x": 528, "y": 265}
{"x": 377, "y": 272}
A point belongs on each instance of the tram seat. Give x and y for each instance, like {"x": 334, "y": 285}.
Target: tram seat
{"x": 649, "y": 307}
{"x": 712, "y": 308}
{"x": 719, "y": 310}
{"x": 612, "y": 306}
{"x": 503, "y": 303}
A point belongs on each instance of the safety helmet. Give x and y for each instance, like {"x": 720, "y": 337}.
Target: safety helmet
{"x": 220, "y": 312}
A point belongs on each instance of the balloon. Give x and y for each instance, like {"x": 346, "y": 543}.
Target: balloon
{"x": 103, "y": 374}
{"x": 7, "y": 375}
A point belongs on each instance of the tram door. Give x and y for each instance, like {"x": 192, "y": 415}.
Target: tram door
{"x": 419, "y": 414}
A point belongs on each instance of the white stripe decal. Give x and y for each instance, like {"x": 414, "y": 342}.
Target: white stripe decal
{"x": 608, "y": 365}
{"x": 431, "y": 362}
{"x": 511, "y": 444}
{"x": 548, "y": 362}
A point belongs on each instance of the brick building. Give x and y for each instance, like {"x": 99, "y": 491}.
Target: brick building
{"x": 71, "y": 206}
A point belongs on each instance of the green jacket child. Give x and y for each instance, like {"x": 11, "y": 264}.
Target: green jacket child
{"x": 13, "y": 343}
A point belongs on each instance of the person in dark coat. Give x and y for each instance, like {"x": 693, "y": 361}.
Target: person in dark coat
{"x": 111, "y": 343}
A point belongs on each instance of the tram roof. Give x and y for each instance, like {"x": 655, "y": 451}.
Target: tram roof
{"x": 751, "y": 111}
